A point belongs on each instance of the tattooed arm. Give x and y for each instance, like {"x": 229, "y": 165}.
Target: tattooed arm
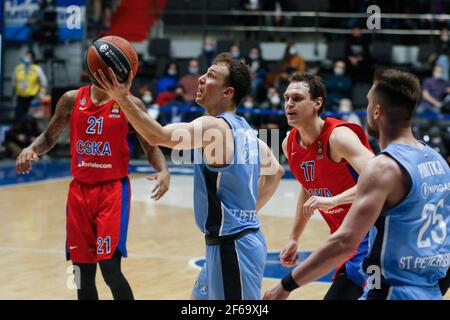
{"x": 156, "y": 159}
{"x": 47, "y": 139}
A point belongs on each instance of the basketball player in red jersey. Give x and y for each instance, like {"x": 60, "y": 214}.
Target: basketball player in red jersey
{"x": 99, "y": 195}
{"x": 326, "y": 157}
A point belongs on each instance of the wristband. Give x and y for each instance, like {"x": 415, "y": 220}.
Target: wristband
{"x": 288, "y": 283}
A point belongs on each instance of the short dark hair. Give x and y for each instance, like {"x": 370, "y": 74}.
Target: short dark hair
{"x": 238, "y": 75}
{"x": 315, "y": 83}
{"x": 398, "y": 92}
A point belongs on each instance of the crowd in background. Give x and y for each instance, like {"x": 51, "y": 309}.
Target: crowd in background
{"x": 347, "y": 78}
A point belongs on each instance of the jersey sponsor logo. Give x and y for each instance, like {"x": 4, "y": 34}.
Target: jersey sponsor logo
{"x": 94, "y": 165}
{"x": 273, "y": 268}
{"x": 436, "y": 188}
{"x": 72, "y": 247}
{"x": 93, "y": 148}
{"x": 334, "y": 211}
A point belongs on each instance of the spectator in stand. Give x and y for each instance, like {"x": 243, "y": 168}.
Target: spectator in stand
{"x": 444, "y": 38}
{"x": 346, "y": 108}
{"x": 258, "y": 72}
{"x": 357, "y": 49}
{"x": 339, "y": 86}
{"x": 21, "y": 135}
{"x": 173, "y": 115}
{"x": 208, "y": 53}
{"x": 278, "y": 7}
{"x": 272, "y": 103}
{"x": 102, "y": 14}
{"x": 444, "y": 61}
{"x": 248, "y": 103}
{"x": 290, "y": 63}
{"x": 190, "y": 81}
{"x": 28, "y": 79}
{"x": 292, "y": 60}
{"x": 235, "y": 52}
{"x": 169, "y": 80}
{"x": 251, "y": 6}
{"x": 434, "y": 91}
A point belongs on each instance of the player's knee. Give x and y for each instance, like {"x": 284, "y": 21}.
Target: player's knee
{"x": 111, "y": 273}
{"x": 86, "y": 276}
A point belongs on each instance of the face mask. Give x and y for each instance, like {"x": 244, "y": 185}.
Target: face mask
{"x": 208, "y": 48}
{"x": 275, "y": 100}
{"x": 345, "y": 108}
{"x": 292, "y": 51}
{"x": 26, "y": 60}
{"x": 338, "y": 71}
{"x": 444, "y": 38}
{"x": 248, "y": 104}
{"x": 235, "y": 55}
{"x": 254, "y": 56}
{"x": 193, "y": 70}
{"x": 171, "y": 72}
{"x": 147, "y": 99}
{"x": 438, "y": 75}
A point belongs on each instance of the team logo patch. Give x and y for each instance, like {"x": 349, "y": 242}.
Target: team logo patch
{"x": 83, "y": 101}
{"x": 319, "y": 149}
{"x": 273, "y": 268}
{"x": 115, "y": 111}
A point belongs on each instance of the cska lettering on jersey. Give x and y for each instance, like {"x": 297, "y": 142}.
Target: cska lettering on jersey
{"x": 321, "y": 192}
{"x": 93, "y": 148}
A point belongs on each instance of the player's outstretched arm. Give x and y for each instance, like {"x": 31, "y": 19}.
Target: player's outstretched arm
{"x": 271, "y": 173}
{"x": 376, "y": 183}
{"x": 47, "y": 139}
{"x": 176, "y": 136}
{"x": 157, "y": 160}
{"x": 288, "y": 256}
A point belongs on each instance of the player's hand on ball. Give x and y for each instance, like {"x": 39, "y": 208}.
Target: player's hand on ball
{"x": 112, "y": 87}
{"x": 313, "y": 203}
{"x": 276, "y": 293}
{"x": 162, "y": 184}
{"x": 23, "y": 161}
{"x": 289, "y": 256}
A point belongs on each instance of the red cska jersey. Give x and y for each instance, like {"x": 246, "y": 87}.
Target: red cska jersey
{"x": 318, "y": 174}
{"x": 98, "y": 140}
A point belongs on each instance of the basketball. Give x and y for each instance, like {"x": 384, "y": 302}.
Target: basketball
{"x": 114, "y": 52}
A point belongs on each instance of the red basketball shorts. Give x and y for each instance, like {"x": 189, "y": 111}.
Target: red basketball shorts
{"x": 97, "y": 220}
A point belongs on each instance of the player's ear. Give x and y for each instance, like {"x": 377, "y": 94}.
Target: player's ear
{"x": 318, "y": 103}
{"x": 228, "y": 92}
{"x": 377, "y": 111}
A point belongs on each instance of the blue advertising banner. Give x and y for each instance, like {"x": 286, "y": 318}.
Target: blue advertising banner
{"x": 71, "y": 19}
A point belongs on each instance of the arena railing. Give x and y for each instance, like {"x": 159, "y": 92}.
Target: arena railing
{"x": 317, "y": 15}
{"x": 280, "y": 113}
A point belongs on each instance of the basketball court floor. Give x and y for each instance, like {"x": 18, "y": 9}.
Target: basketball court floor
{"x": 165, "y": 247}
